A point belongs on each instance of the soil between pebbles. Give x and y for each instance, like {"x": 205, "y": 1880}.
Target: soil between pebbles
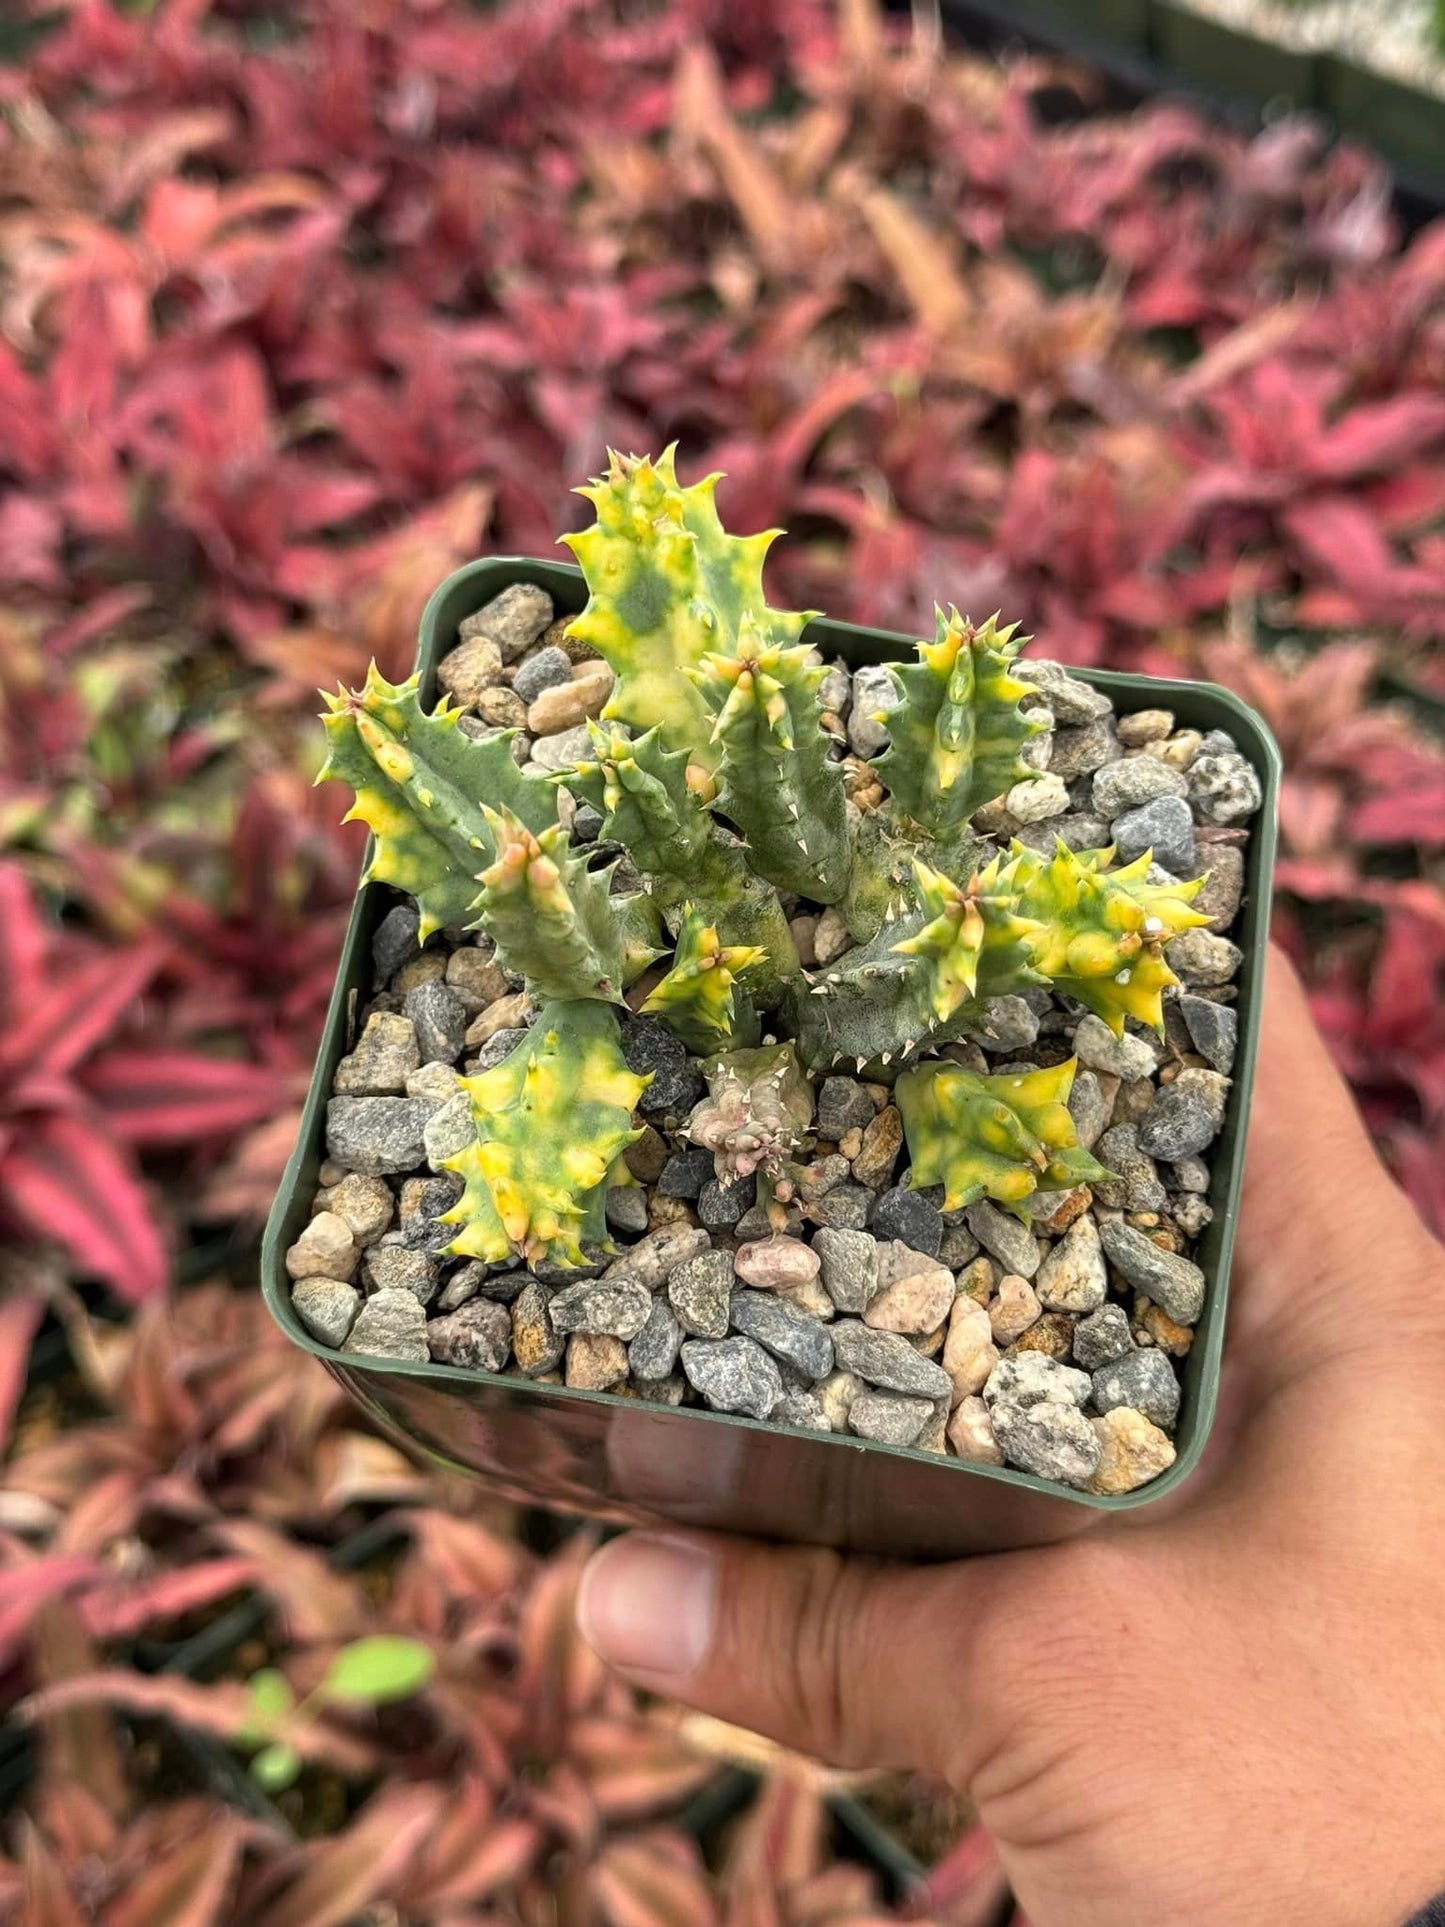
{"x": 1054, "y": 1347}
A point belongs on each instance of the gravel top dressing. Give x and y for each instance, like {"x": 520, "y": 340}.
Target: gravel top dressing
{"x": 765, "y": 1246}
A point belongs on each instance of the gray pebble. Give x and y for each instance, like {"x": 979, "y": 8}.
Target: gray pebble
{"x": 1102, "y": 1337}
{"x": 1050, "y": 1441}
{"x": 884, "y": 1359}
{"x": 1129, "y": 1057}
{"x": 513, "y": 620}
{"x": 905, "y": 1215}
{"x": 586, "y": 825}
{"x": 1174, "y": 1284}
{"x": 615, "y": 1307}
{"x": 1004, "y": 1024}
{"x": 1027, "y": 1378}
{"x": 847, "y": 1207}
{"x": 1004, "y": 1238}
{"x": 395, "y": 942}
{"x": 1078, "y": 830}
{"x": 392, "y": 1324}
{"x": 873, "y": 690}
{"x": 1133, "y": 781}
{"x": 1136, "y": 1185}
{"x": 392, "y": 1267}
{"x": 719, "y": 1206}
{"x": 1088, "y": 1109}
{"x": 958, "y": 1248}
{"x": 1190, "y": 1174}
{"x": 478, "y": 1336}
{"x": 1191, "y": 1213}
{"x": 652, "y": 1257}
{"x": 653, "y": 1353}
{"x": 536, "y": 1343}
{"x": 450, "y": 1129}
{"x": 1177, "y": 1125}
{"x": 1224, "y": 885}
{"x": 794, "y": 1336}
{"x": 465, "y": 1282}
{"x": 544, "y": 670}
{"x": 386, "y": 1057}
{"x": 377, "y": 1135}
{"x": 686, "y": 1172}
{"x": 850, "y": 1267}
{"x": 1163, "y": 826}
{"x": 326, "y": 1307}
{"x": 698, "y": 1291}
{"x": 565, "y": 750}
{"x": 801, "y": 1411}
{"x": 1084, "y": 748}
{"x": 1224, "y": 788}
{"x": 755, "y": 1223}
{"x": 843, "y": 1106}
{"x": 498, "y": 1046}
{"x": 733, "y": 1375}
{"x": 626, "y": 1209}
{"x": 548, "y": 1272}
{"x": 1214, "y": 1029}
{"x": 1201, "y": 958}
{"x": 648, "y": 1046}
{"x": 1070, "y": 700}
{"x": 1142, "y": 1379}
{"x": 887, "y": 1418}
{"x": 441, "y": 1022}
{"x": 671, "y": 1390}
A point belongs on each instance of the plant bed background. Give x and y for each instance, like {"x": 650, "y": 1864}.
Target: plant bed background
{"x": 297, "y": 317}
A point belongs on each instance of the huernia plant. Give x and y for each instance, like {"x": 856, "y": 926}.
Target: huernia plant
{"x": 712, "y": 770}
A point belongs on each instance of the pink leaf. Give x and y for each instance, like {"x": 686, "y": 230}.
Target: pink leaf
{"x": 68, "y": 1184}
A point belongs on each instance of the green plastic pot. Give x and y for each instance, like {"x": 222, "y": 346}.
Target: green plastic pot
{"x": 1211, "y": 54}
{"x": 626, "y": 1462}
{"x": 1405, "y": 123}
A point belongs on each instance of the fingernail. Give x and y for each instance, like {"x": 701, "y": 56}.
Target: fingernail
{"x": 647, "y": 1604}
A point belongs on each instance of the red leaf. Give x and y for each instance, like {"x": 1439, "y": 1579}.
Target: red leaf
{"x": 72, "y": 1017}
{"x": 175, "y": 1097}
{"x": 120, "y": 1611}
{"x": 189, "y": 1888}
{"x": 68, "y": 1184}
{"x": 1379, "y": 436}
{"x": 19, "y": 1318}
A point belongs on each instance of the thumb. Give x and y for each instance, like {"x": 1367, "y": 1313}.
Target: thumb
{"x": 791, "y": 1642}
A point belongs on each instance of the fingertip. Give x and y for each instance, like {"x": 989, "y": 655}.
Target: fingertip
{"x": 647, "y": 1604}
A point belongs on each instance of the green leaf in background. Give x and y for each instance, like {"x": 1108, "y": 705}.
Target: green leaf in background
{"x": 271, "y": 1700}
{"x": 372, "y": 1671}
{"x": 276, "y": 1768}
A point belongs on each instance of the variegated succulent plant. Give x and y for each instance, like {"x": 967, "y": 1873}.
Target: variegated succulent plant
{"x": 713, "y": 772}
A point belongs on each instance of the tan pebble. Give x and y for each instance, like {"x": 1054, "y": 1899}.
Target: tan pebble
{"x": 566, "y": 704}
{"x": 1178, "y": 750}
{"x": 502, "y": 708}
{"x": 646, "y": 1155}
{"x": 663, "y": 1210}
{"x": 836, "y": 1394}
{"x": 1014, "y": 1309}
{"x": 970, "y": 1433}
{"x": 851, "y": 1143}
{"x": 929, "y": 1343}
{"x": 331, "y": 1172}
{"x": 980, "y": 1280}
{"x": 595, "y": 1363}
{"x": 1133, "y": 1449}
{"x": 476, "y": 976}
{"x": 325, "y": 1249}
{"x": 506, "y": 1013}
{"x": 571, "y": 646}
{"x": 429, "y": 968}
{"x": 1145, "y": 726}
{"x": 1070, "y": 1206}
{"x": 830, "y": 938}
{"x": 882, "y": 1141}
{"x": 466, "y": 671}
{"x": 1161, "y": 1330}
{"x": 810, "y": 1297}
{"x": 803, "y": 930}
{"x": 917, "y": 1302}
{"x": 773, "y": 1264}
{"x": 969, "y": 1353}
{"x": 1053, "y": 1335}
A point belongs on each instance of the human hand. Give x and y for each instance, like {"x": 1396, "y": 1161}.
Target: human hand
{"x": 1229, "y": 1713}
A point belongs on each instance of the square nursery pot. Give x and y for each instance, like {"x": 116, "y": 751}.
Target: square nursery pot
{"x": 1211, "y": 54}
{"x": 627, "y": 1462}
{"x": 1406, "y": 123}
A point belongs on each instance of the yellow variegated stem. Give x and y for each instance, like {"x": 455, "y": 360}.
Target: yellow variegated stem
{"x": 666, "y": 585}
{"x": 957, "y": 728}
{"x": 419, "y": 783}
{"x": 1001, "y": 1137}
{"x": 551, "y": 1120}
{"x": 551, "y": 919}
{"x": 1100, "y": 933}
{"x": 696, "y": 998}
